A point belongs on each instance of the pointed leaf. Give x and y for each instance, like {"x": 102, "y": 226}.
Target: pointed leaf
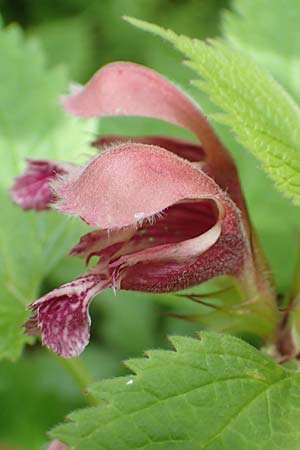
{"x": 214, "y": 393}
{"x": 265, "y": 119}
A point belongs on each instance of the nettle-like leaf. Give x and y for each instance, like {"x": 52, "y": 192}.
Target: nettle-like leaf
{"x": 265, "y": 119}
{"x": 271, "y": 38}
{"x": 31, "y": 125}
{"x": 214, "y": 393}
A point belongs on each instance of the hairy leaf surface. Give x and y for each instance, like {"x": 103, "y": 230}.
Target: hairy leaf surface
{"x": 214, "y": 393}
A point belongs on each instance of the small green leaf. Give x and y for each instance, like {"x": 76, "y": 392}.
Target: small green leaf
{"x": 214, "y": 393}
{"x": 271, "y": 38}
{"x": 265, "y": 119}
{"x": 31, "y": 125}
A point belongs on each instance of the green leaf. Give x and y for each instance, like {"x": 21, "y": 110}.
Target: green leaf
{"x": 261, "y": 114}
{"x": 31, "y": 125}
{"x": 214, "y": 393}
{"x": 271, "y": 38}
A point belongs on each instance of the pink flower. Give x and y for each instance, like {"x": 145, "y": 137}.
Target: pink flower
{"x": 170, "y": 213}
{"x": 32, "y": 190}
{"x": 57, "y": 445}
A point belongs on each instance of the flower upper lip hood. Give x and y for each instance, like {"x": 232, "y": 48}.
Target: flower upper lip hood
{"x": 127, "y": 89}
{"x": 103, "y": 197}
{"x": 175, "y": 217}
{"x": 171, "y": 212}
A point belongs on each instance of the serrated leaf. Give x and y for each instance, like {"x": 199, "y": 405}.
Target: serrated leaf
{"x": 259, "y": 111}
{"x": 31, "y": 125}
{"x": 214, "y": 393}
{"x": 271, "y": 38}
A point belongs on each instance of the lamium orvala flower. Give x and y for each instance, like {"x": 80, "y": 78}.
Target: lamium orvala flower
{"x": 57, "y": 445}
{"x": 170, "y": 213}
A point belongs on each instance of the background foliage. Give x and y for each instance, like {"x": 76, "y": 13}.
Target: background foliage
{"x": 49, "y": 44}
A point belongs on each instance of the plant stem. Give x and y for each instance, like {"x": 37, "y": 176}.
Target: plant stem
{"x": 80, "y": 374}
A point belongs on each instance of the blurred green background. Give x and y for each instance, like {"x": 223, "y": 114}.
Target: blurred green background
{"x": 36, "y": 392}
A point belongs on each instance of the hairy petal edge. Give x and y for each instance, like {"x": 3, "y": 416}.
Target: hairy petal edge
{"x": 62, "y": 318}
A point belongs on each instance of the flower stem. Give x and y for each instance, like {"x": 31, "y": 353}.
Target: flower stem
{"x": 81, "y": 375}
